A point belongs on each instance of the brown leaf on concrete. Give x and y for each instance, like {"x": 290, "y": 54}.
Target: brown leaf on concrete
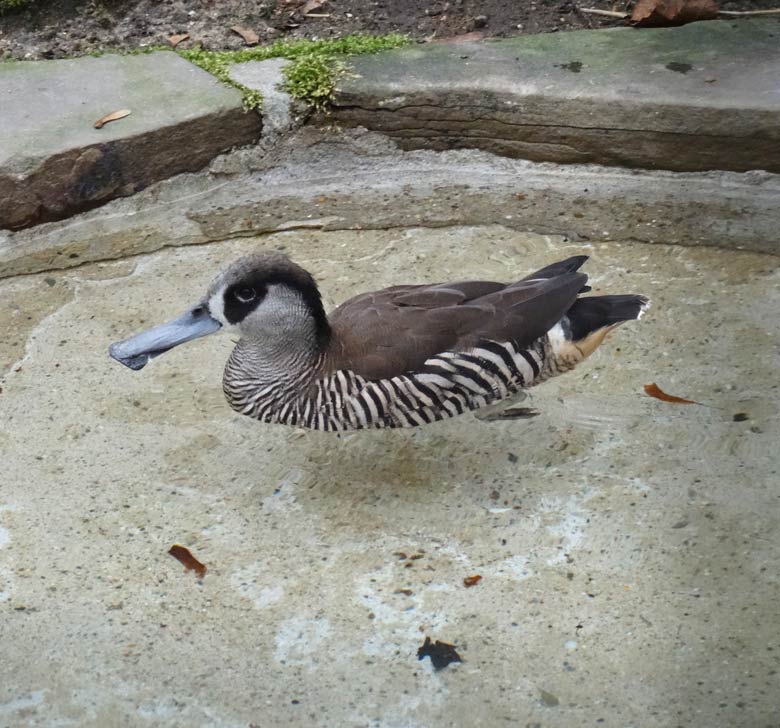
{"x": 183, "y": 555}
{"x": 656, "y": 13}
{"x": 174, "y": 40}
{"x": 655, "y": 391}
{"x": 441, "y": 653}
{"x": 472, "y": 580}
{"x": 113, "y": 116}
{"x": 311, "y": 5}
{"x": 249, "y": 35}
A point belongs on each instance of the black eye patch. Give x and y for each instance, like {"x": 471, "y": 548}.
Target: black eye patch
{"x": 241, "y": 299}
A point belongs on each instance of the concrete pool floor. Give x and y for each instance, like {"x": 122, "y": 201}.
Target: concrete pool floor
{"x": 628, "y": 547}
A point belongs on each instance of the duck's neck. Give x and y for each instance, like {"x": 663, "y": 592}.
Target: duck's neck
{"x": 262, "y": 378}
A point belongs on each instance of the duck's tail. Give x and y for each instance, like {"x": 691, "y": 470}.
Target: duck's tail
{"x": 591, "y": 318}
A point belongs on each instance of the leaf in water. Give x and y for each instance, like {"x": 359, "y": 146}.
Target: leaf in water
{"x": 113, "y": 116}
{"x": 182, "y": 554}
{"x": 441, "y": 653}
{"x": 472, "y": 580}
{"x": 655, "y": 391}
{"x": 657, "y": 13}
{"x": 249, "y": 35}
{"x": 174, "y": 40}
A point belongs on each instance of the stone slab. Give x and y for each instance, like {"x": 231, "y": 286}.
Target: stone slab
{"x": 700, "y": 97}
{"x": 328, "y": 180}
{"x": 628, "y": 547}
{"x": 54, "y": 163}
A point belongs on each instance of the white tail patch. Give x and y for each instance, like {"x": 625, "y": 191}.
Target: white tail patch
{"x": 569, "y": 353}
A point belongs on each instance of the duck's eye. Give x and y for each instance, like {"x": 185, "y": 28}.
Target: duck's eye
{"x": 245, "y": 295}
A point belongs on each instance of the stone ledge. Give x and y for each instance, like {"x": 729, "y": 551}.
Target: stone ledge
{"x": 701, "y": 97}
{"x": 54, "y": 163}
{"x": 354, "y": 180}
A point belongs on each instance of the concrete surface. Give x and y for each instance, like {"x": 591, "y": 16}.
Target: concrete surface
{"x": 699, "y": 97}
{"x": 267, "y": 78}
{"x": 53, "y": 162}
{"x": 333, "y": 181}
{"x": 628, "y": 547}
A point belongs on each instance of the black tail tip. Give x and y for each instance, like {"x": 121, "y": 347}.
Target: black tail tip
{"x": 561, "y": 267}
{"x": 591, "y": 313}
{"x": 577, "y": 261}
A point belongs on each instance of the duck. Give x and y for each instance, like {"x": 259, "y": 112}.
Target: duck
{"x": 402, "y": 356}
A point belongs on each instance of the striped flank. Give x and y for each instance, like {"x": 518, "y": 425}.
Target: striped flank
{"x": 447, "y": 385}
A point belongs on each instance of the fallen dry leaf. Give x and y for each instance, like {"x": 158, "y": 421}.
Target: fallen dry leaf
{"x": 655, "y": 13}
{"x": 174, "y": 40}
{"x": 441, "y": 653}
{"x": 472, "y": 580}
{"x": 655, "y": 391}
{"x": 113, "y": 116}
{"x": 183, "y": 555}
{"x": 249, "y": 35}
{"x": 311, "y": 6}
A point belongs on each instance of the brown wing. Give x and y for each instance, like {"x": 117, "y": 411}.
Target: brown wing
{"x": 386, "y": 333}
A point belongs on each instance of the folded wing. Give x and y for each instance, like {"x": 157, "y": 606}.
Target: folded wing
{"x": 389, "y": 332}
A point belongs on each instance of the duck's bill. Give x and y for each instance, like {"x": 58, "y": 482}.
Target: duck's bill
{"x": 136, "y": 351}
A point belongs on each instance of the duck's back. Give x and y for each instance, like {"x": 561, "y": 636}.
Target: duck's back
{"x": 393, "y": 331}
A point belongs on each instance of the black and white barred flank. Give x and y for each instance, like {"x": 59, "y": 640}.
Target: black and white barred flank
{"x": 447, "y": 385}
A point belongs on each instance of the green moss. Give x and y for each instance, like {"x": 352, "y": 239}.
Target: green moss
{"x": 313, "y": 78}
{"x": 315, "y": 68}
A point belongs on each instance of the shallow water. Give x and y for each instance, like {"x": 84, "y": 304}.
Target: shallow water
{"x": 627, "y": 546}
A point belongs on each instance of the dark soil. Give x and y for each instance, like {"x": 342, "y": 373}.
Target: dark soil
{"x": 59, "y": 28}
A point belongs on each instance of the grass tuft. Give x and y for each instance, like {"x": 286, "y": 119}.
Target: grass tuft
{"x": 313, "y": 78}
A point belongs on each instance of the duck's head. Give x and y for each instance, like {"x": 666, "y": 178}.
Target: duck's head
{"x": 264, "y": 297}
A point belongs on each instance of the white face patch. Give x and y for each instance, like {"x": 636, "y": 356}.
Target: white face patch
{"x": 217, "y": 307}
